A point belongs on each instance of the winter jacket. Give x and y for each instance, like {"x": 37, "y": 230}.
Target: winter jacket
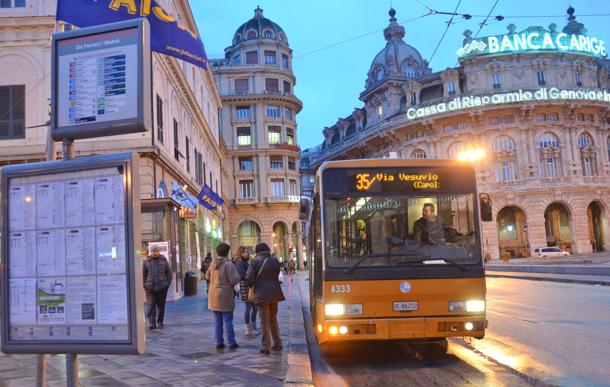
{"x": 223, "y": 277}
{"x": 241, "y": 265}
{"x": 157, "y": 273}
{"x": 267, "y": 286}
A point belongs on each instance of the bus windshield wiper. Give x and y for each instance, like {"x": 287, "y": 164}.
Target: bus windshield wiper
{"x": 420, "y": 257}
{"x": 415, "y": 258}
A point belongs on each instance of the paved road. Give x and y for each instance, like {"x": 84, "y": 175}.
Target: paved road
{"x": 541, "y": 333}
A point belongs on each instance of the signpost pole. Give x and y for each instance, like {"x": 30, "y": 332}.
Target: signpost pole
{"x": 68, "y": 149}
{"x": 72, "y": 370}
{"x": 41, "y": 371}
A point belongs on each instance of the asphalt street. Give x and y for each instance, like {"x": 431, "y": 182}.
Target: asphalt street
{"x": 540, "y": 333}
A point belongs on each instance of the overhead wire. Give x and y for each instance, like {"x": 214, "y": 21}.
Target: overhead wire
{"x": 445, "y": 32}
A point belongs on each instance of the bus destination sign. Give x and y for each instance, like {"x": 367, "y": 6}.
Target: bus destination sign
{"x": 417, "y": 181}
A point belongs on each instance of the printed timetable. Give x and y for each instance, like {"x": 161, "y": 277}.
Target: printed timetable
{"x": 97, "y": 79}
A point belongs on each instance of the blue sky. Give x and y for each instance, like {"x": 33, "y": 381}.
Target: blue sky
{"x": 329, "y": 79}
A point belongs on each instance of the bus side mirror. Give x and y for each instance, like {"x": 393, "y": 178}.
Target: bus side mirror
{"x": 485, "y": 207}
{"x": 305, "y": 208}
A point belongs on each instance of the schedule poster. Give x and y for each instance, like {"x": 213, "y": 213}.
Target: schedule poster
{"x": 97, "y": 78}
{"x": 67, "y": 249}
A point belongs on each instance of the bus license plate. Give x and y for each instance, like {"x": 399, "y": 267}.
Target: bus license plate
{"x": 405, "y": 306}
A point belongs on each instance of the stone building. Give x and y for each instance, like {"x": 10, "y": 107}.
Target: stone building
{"x": 535, "y": 100}
{"x": 258, "y": 121}
{"x": 184, "y": 147}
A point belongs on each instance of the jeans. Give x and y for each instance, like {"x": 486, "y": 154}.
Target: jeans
{"x": 250, "y": 314}
{"x": 269, "y": 325}
{"x": 155, "y": 305}
{"x": 226, "y": 319}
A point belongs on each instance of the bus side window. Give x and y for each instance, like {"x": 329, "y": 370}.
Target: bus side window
{"x": 317, "y": 244}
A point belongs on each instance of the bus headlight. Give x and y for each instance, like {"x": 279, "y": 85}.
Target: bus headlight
{"x": 342, "y": 309}
{"x": 475, "y": 306}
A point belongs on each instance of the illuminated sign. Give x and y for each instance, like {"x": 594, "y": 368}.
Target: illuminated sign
{"x": 424, "y": 181}
{"x": 542, "y": 94}
{"x": 534, "y": 39}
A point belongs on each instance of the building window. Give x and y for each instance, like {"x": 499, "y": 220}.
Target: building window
{"x": 287, "y": 87}
{"x": 496, "y": 81}
{"x": 292, "y": 164}
{"x": 243, "y": 136}
{"x": 246, "y": 189}
{"x": 379, "y": 110}
{"x": 275, "y": 134}
{"x": 251, "y": 35}
{"x": 12, "y": 111}
{"x": 276, "y": 162}
{"x": 272, "y": 85}
{"x": 246, "y": 164}
{"x": 413, "y": 98}
{"x": 554, "y": 117}
{"x": 285, "y": 61}
{"x": 550, "y": 160}
{"x": 588, "y": 155}
{"x": 540, "y": 76}
{"x": 411, "y": 72}
{"x": 504, "y": 148}
{"x": 288, "y": 114}
{"x": 273, "y": 111}
{"x": 418, "y": 154}
{"x": 578, "y": 78}
{"x": 252, "y": 57}
{"x": 292, "y": 188}
{"x": 242, "y": 112}
{"x": 268, "y": 34}
{"x": 12, "y": 3}
{"x": 237, "y": 59}
{"x": 176, "y": 142}
{"x": 159, "y": 119}
{"x": 270, "y": 58}
{"x": 187, "y": 146}
{"x": 277, "y": 187}
{"x": 241, "y": 86}
{"x": 198, "y": 162}
{"x": 451, "y": 88}
{"x": 290, "y": 136}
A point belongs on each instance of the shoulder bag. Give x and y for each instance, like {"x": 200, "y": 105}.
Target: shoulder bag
{"x": 251, "y": 290}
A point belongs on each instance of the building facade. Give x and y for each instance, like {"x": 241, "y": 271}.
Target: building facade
{"x": 258, "y": 121}
{"x": 184, "y": 148}
{"x": 536, "y": 101}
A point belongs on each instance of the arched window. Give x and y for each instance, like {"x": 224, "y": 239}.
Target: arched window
{"x": 588, "y": 155}
{"x": 237, "y": 38}
{"x": 380, "y": 110}
{"x": 403, "y": 102}
{"x": 410, "y": 71}
{"x": 379, "y": 74}
{"x": 351, "y": 130}
{"x": 268, "y": 34}
{"x": 418, "y": 154}
{"x": 504, "y": 149}
{"x": 335, "y": 140}
{"x": 282, "y": 37}
{"x": 251, "y": 34}
{"x": 454, "y": 149}
{"x": 549, "y": 156}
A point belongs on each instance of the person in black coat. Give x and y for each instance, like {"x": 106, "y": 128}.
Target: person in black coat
{"x": 242, "y": 262}
{"x": 157, "y": 278}
{"x": 262, "y": 276}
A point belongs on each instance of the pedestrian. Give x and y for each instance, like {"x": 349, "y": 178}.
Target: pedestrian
{"x": 242, "y": 261}
{"x": 262, "y": 276}
{"x": 205, "y": 265}
{"x": 222, "y": 277}
{"x": 157, "y": 278}
{"x": 291, "y": 266}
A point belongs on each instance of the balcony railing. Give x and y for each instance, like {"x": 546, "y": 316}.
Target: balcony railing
{"x": 246, "y": 200}
{"x": 284, "y": 199}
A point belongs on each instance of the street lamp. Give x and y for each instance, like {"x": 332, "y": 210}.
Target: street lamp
{"x": 472, "y": 155}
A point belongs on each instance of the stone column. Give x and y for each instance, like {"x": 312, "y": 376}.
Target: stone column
{"x": 536, "y": 232}
{"x": 299, "y": 248}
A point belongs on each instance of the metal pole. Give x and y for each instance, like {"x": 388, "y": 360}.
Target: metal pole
{"x": 68, "y": 149}
{"x": 72, "y": 370}
{"x": 41, "y": 371}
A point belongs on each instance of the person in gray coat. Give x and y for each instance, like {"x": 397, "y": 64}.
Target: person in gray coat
{"x": 262, "y": 276}
{"x": 157, "y": 278}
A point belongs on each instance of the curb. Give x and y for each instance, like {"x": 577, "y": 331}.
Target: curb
{"x": 298, "y": 372}
{"x": 577, "y": 270}
{"x": 551, "y": 279}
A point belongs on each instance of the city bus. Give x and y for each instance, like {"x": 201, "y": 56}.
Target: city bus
{"x": 396, "y": 251}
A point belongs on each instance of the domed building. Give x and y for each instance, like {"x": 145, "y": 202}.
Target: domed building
{"x": 258, "y": 123}
{"x": 535, "y": 100}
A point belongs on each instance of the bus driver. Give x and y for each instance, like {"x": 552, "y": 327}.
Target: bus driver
{"x": 429, "y": 229}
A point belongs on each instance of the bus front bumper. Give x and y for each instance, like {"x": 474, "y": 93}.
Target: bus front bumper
{"x": 401, "y": 328}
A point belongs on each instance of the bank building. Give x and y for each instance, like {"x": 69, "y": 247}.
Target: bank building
{"x": 535, "y": 100}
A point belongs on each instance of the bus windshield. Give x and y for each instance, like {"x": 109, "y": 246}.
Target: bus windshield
{"x": 393, "y": 229}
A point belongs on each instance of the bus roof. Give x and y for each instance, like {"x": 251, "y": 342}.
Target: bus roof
{"x": 393, "y": 163}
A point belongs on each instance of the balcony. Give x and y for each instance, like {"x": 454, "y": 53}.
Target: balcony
{"x": 250, "y": 200}
{"x": 286, "y": 146}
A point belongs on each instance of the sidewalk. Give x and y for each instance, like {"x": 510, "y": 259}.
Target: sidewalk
{"x": 586, "y": 264}
{"x": 184, "y": 353}
{"x": 601, "y": 280}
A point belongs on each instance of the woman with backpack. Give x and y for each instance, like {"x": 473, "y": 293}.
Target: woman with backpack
{"x": 242, "y": 261}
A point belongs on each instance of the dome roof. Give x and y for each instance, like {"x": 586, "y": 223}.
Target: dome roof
{"x": 259, "y": 27}
{"x": 397, "y": 57}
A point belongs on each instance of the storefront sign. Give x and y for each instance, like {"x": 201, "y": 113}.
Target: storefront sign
{"x": 542, "y": 94}
{"x": 533, "y": 40}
